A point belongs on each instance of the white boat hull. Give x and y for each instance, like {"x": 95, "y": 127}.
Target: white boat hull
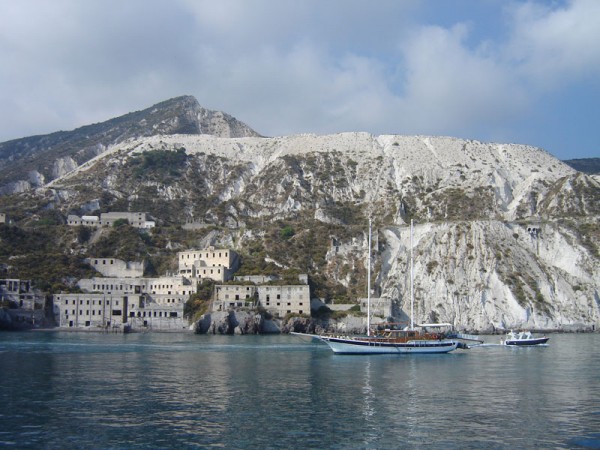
{"x": 363, "y": 346}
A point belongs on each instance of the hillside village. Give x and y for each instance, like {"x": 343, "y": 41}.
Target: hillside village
{"x": 121, "y": 299}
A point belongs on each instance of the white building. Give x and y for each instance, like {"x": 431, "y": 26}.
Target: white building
{"x": 277, "y": 299}
{"x": 121, "y": 311}
{"x": 135, "y": 219}
{"x": 211, "y": 263}
{"x": 136, "y": 303}
{"x": 113, "y": 267}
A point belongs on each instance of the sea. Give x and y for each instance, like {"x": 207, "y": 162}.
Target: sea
{"x": 174, "y": 390}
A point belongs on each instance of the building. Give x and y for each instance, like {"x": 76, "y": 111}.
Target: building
{"x": 122, "y": 302}
{"x": 211, "y": 263}
{"x": 112, "y": 267}
{"x": 257, "y": 279}
{"x": 118, "y": 311}
{"x": 135, "y": 219}
{"x": 280, "y": 300}
{"x": 21, "y": 294}
{"x": 26, "y": 305}
{"x": 88, "y": 221}
{"x": 381, "y": 306}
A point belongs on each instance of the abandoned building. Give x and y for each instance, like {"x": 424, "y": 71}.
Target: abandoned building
{"x": 135, "y": 219}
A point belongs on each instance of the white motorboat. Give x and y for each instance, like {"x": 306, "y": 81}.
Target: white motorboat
{"x": 523, "y": 338}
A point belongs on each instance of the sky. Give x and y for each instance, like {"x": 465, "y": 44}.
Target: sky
{"x": 507, "y": 71}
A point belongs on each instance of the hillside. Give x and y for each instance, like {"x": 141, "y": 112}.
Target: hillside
{"x": 591, "y": 166}
{"x": 506, "y": 235}
{"x": 33, "y": 161}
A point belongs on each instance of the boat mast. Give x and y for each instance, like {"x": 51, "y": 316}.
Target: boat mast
{"x": 412, "y": 292}
{"x": 369, "y": 284}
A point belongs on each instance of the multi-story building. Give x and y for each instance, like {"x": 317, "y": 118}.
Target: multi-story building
{"x": 136, "y": 303}
{"x": 277, "y": 299}
{"x": 26, "y": 304}
{"x": 100, "y": 310}
{"x": 122, "y": 298}
{"x": 21, "y": 293}
{"x": 211, "y": 263}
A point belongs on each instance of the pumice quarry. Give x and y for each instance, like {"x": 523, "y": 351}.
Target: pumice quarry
{"x": 179, "y": 218}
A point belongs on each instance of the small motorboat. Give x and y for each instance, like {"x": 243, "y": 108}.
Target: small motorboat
{"x": 523, "y": 338}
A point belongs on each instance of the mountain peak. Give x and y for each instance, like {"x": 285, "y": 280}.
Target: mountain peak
{"x": 39, "y": 155}
{"x": 182, "y": 115}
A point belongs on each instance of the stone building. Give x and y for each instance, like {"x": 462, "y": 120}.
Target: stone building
{"x": 135, "y": 219}
{"x": 21, "y": 294}
{"x": 134, "y": 303}
{"x": 112, "y": 267}
{"x": 277, "y": 299}
{"x": 26, "y": 305}
{"x": 118, "y": 311}
{"x": 211, "y": 263}
{"x": 122, "y": 298}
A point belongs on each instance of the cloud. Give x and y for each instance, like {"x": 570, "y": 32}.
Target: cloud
{"x": 450, "y": 87}
{"x": 287, "y": 67}
{"x": 556, "y": 46}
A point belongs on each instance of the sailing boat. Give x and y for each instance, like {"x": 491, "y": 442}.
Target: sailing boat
{"x": 391, "y": 341}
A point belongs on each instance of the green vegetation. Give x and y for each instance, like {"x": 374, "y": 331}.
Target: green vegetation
{"x": 589, "y": 235}
{"x": 159, "y": 164}
{"x": 287, "y": 232}
{"x": 431, "y": 265}
{"x": 199, "y": 303}
{"x": 42, "y": 255}
{"x": 120, "y": 222}
{"x": 460, "y": 204}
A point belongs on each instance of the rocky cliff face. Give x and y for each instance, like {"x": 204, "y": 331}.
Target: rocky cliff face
{"x": 506, "y": 235}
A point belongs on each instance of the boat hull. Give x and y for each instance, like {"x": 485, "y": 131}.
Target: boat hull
{"x": 357, "y": 346}
{"x": 526, "y": 342}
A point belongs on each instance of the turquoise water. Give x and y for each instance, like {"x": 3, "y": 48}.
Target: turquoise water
{"x": 87, "y": 390}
